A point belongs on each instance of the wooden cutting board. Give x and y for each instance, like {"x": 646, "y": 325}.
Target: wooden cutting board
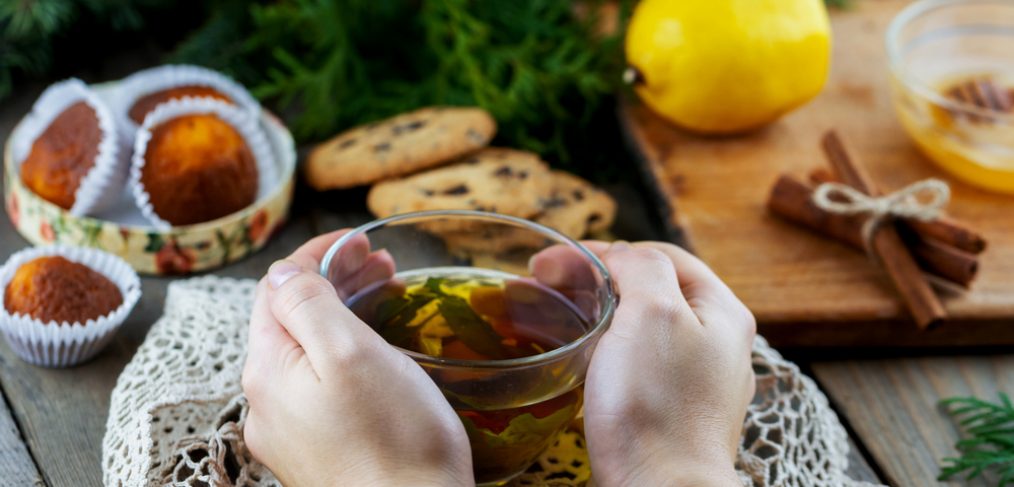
{"x": 805, "y": 290}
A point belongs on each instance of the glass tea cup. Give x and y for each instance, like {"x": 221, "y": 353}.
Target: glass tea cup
{"x": 502, "y": 313}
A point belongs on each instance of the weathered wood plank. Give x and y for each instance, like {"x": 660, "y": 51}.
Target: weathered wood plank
{"x": 892, "y": 404}
{"x": 16, "y": 464}
{"x": 859, "y": 466}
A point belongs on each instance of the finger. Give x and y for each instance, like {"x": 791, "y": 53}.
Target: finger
{"x": 378, "y": 267}
{"x": 571, "y": 272}
{"x": 562, "y": 267}
{"x": 648, "y": 288}
{"x": 267, "y": 345}
{"x": 307, "y": 306}
{"x": 597, "y": 247}
{"x": 266, "y": 334}
{"x": 565, "y": 267}
{"x": 349, "y": 259}
{"x": 309, "y": 255}
{"x": 710, "y": 298}
{"x": 695, "y": 277}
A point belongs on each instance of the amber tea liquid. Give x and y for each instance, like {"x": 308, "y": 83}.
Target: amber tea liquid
{"x": 481, "y": 315}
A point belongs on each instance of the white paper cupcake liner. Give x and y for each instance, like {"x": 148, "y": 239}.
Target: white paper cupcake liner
{"x": 142, "y": 83}
{"x": 101, "y": 187}
{"x": 65, "y": 344}
{"x": 247, "y": 126}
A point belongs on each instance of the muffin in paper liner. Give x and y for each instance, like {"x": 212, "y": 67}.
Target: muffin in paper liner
{"x": 101, "y": 187}
{"x": 148, "y": 81}
{"x": 239, "y": 119}
{"x": 66, "y": 344}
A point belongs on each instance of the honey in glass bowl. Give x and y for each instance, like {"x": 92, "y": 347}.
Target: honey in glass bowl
{"x": 953, "y": 86}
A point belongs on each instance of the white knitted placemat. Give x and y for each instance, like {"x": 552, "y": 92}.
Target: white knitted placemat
{"x": 177, "y": 411}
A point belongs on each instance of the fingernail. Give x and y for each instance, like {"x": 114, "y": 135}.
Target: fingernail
{"x": 282, "y": 271}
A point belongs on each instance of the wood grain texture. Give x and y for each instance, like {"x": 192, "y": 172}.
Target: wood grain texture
{"x": 806, "y": 290}
{"x": 16, "y": 464}
{"x": 892, "y": 405}
{"x": 859, "y": 467}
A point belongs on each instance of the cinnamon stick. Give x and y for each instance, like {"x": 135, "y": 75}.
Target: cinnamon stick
{"x": 983, "y": 93}
{"x": 792, "y": 200}
{"x": 945, "y": 230}
{"x": 920, "y": 299}
{"x": 949, "y": 263}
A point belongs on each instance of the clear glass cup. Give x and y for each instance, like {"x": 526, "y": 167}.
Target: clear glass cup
{"x": 502, "y": 313}
{"x": 952, "y": 78}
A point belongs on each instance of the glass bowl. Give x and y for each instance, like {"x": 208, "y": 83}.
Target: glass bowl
{"x": 952, "y": 78}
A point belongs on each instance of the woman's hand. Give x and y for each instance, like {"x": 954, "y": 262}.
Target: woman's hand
{"x": 669, "y": 383}
{"x": 330, "y": 402}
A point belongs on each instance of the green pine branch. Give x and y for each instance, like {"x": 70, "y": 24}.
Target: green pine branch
{"x": 990, "y": 444}
{"x": 30, "y": 28}
{"x": 331, "y": 65}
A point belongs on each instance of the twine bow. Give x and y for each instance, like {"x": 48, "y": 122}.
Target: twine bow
{"x": 843, "y": 199}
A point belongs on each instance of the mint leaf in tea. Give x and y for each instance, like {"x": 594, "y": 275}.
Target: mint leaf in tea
{"x": 471, "y": 316}
{"x": 474, "y": 315}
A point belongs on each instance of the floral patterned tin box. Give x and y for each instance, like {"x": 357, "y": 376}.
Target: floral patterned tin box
{"x": 122, "y": 229}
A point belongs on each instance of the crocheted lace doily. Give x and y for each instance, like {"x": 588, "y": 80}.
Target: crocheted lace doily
{"x": 177, "y": 412}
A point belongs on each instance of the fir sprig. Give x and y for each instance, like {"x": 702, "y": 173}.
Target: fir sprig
{"x": 990, "y": 444}
{"x": 29, "y": 29}
{"x": 541, "y": 71}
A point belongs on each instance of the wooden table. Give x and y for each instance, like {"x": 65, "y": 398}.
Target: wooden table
{"x": 52, "y": 421}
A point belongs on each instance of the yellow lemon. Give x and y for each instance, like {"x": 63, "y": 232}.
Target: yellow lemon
{"x": 727, "y": 66}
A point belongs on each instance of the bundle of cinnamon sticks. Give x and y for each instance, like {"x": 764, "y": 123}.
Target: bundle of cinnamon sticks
{"x": 908, "y": 250}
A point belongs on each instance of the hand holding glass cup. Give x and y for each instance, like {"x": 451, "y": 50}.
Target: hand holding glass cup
{"x": 502, "y": 313}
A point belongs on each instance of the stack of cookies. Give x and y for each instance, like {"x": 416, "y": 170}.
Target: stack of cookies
{"x": 437, "y": 159}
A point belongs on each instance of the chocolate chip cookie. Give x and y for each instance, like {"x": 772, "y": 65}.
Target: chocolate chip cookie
{"x": 506, "y": 181}
{"x": 574, "y": 207}
{"x": 398, "y": 146}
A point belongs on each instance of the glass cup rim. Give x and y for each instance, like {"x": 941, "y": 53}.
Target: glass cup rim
{"x": 914, "y": 11}
{"x": 600, "y": 326}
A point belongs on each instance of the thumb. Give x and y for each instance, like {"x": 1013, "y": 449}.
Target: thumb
{"x": 648, "y": 288}
{"x": 307, "y": 305}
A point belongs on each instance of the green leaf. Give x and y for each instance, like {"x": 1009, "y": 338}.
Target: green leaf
{"x": 433, "y": 285}
{"x": 470, "y": 328}
{"x": 400, "y": 311}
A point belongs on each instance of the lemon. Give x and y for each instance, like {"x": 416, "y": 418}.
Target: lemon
{"x": 727, "y": 66}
